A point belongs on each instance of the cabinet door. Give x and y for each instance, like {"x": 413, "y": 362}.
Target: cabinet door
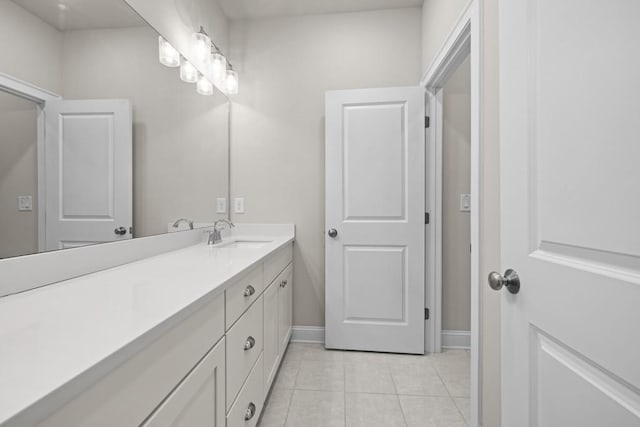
{"x": 285, "y": 309}
{"x": 271, "y": 338}
{"x": 199, "y": 400}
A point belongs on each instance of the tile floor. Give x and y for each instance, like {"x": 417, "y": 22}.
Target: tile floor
{"x": 318, "y": 387}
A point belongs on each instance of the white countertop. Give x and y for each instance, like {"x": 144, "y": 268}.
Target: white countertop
{"x": 56, "y": 340}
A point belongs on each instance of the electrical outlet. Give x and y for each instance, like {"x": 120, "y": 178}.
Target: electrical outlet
{"x": 25, "y": 203}
{"x": 238, "y": 205}
{"x": 465, "y": 203}
{"x": 221, "y": 205}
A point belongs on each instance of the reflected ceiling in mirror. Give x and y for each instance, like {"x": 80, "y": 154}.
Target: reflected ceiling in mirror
{"x": 114, "y": 145}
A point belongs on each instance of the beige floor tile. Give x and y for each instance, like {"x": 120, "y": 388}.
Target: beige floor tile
{"x": 362, "y": 357}
{"x": 409, "y": 364}
{"x": 316, "y": 409}
{"x": 276, "y": 408}
{"x": 312, "y": 352}
{"x": 458, "y": 384}
{"x": 373, "y": 410}
{"x": 320, "y": 375}
{"x": 287, "y": 373}
{"x": 368, "y": 378}
{"x": 431, "y": 412}
{"x": 425, "y": 382}
{"x": 464, "y": 405}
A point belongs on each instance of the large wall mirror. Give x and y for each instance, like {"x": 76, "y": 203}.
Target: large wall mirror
{"x": 99, "y": 142}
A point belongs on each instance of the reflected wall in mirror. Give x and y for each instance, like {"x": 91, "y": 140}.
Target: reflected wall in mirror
{"x": 113, "y": 145}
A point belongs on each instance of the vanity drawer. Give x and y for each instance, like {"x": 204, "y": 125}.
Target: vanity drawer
{"x": 250, "y": 400}
{"x": 146, "y": 378}
{"x": 244, "y": 345}
{"x": 276, "y": 263}
{"x": 242, "y": 294}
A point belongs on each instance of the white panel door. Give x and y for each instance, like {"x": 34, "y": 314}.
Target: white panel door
{"x": 570, "y": 212}
{"x": 88, "y": 162}
{"x": 375, "y": 208}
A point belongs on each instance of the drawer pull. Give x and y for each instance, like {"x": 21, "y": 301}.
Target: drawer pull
{"x": 249, "y": 291}
{"x": 250, "y": 343}
{"x": 283, "y": 283}
{"x": 251, "y": 411}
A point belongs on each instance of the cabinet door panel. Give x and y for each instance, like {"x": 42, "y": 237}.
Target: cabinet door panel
{"x": 285, "y": 308}
{"x": 199, "y": 399}
{"x": 271, "y": 338}
{"x": 244, "y": 346}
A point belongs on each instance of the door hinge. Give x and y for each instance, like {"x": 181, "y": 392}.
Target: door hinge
{"x": 426, "y": 217}
{"x": 426, "y": 121}
{"x": 426, "y": 314}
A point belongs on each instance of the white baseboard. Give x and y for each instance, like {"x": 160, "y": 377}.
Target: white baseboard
{"x": 456, "y": 339}
{"x": 315, "y": 334}
{"x": 310, "y": 334}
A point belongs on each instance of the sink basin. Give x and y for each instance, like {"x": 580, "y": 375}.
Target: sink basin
{"x": 243, "y": 244}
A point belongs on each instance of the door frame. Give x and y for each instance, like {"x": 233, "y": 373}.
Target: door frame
{"x": 40, "y": 96}
{"x": 463, "y": 41}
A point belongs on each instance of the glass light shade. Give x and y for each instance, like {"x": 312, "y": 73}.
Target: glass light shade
{"x": 204, "y": 86}
{"x": 218, "y": 68}
{"x": 201, "y": 48}
{"x": 231, "y": 82}
{"x": 188, "y": 72}
{"x": 168, "y": 55}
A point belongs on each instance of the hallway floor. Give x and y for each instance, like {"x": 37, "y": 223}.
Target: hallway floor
{"x": 318, "y": 387}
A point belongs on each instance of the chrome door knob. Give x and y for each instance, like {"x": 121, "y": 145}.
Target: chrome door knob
{"x": 332, "y": 232}
{"x": 510, "y": 280}
{"x": 120, "y": 231}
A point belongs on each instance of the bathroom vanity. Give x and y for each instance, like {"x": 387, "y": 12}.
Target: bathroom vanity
{"x": 193, "y": 336}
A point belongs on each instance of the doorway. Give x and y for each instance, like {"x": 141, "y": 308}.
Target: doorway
{"x": 462, "y": 44}
{"x": 456, "y": 210}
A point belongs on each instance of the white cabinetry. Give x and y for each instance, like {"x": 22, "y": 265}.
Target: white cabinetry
{"x": 199, "y": 399}
{"x": 285, "y": 308}
{"x": 277, "y": 323}
{"x": 271, "y": 339}
{"x": 214, "y": 368}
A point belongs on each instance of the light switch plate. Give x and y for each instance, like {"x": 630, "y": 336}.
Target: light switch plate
{"x": 25, "y": 203}
{"x": 465, "y": 202}
{"x": 238, "y": 205}
{"x": 221, "y": 205}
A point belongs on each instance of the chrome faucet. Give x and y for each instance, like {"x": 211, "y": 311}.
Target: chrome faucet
{"x": 188, "y": 221}
{"x": 214, "y": 235}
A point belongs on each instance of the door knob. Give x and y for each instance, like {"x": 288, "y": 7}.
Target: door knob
{"x": 120, "y": 231}
{"x": 332, "y": 232}
{"x": 510, "y": 280}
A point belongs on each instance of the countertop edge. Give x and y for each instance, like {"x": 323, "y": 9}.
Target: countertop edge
{"x": 55, "y": 399}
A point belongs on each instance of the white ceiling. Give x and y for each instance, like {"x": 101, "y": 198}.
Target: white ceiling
{"x": 83, "y": 14}
{"x": 251, "y": 9}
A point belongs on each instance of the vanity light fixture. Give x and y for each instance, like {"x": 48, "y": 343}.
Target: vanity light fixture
{"x": 231, "y": 82}
{"x": 188, "y": 72}
{"x": 218, "y": 70}
{"x": 201, "y": 47}
{"x": 168, "y": 55}
{"x": 204, "y": 86}
{"x": 218, "y": 67}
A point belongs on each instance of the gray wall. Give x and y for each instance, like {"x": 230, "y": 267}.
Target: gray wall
{"x": 439, "y": 16}
{"x": 456, "y": 179}
{"x": 18, "y": 230}
{"x": 438, "y": 19}
{"x": 286, "y": 65}
{"x": 179, "y": 137}
{"x": 35, "y": 56}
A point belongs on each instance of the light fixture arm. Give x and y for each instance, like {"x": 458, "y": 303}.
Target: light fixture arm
{"x": 215, "y": 46}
